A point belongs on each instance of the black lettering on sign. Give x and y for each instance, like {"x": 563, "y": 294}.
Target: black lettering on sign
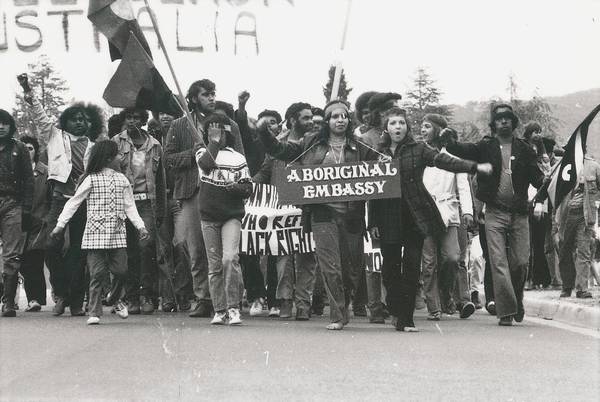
{"x": 242, "y": 16}
{"x": 281, "y": 250}
{"x": 251, "y": 223}
{"x": 147, "y": 28}
{"x": 34, "y": 46}
{"x": 199, "y": 49}
{"x": 65, "y": 22}
{"x": 4, "y": 45}
{"x": 250, "y": 249}
{"x": 19, "y": 3}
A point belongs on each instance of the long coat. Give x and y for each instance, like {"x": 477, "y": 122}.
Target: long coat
{"x": 414, "y": 157}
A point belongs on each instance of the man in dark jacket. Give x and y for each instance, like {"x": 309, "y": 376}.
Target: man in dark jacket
{"x": 296, "y": 273}
{"x": 16, "y": 193}
{"x": 505, "y": 195}
{"x": 182, "y": 140}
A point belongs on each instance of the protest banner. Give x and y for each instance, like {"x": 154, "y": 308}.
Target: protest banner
{"x": 269, "y": 228}
{"x": 373, "y": 256}
{"x": 351, "y": 181}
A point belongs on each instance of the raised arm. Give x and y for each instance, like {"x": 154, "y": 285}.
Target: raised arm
{"x": 285, "y": 151}
{"x": 45, "y": 126}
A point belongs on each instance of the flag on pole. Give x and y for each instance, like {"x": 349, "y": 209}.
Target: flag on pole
{"x": 137, "y": 83}
{"x": 115, "y": 19}
{"x": 564, "y": 179}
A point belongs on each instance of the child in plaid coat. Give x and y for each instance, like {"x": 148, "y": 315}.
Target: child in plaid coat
{"x": 109, "y": 202}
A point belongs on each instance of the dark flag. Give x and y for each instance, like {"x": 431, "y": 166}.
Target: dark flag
{"x": 137, "y": 83}
{"x": 565, "y": 178}
{"x": 115, "y": 19}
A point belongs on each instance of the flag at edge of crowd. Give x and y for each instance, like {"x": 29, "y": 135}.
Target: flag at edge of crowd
{"x": 564, "y": 178}
{"x": 116, "y": 21}
{"x": 137, "y": 83}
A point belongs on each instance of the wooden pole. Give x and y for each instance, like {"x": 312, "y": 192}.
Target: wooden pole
{"x": 337, "y": 76}
{"x": 164, "y": 49}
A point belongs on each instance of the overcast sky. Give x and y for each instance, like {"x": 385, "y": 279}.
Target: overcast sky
{"x": 469, "y": 46}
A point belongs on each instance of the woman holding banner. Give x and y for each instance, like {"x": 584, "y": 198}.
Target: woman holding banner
{"x": 338, "y": 227}
{"x": 403, "y": 223}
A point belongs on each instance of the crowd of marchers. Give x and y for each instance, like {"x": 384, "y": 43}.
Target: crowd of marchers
{"x": 145, "y": 213}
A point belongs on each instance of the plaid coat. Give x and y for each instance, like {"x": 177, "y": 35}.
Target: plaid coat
{"x": 105, "y": 226}
{"x": 414, "y": 158}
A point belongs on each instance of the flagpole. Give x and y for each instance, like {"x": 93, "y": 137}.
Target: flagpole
{"x": 337, "y": 75}
{"x": 164, "y": 49}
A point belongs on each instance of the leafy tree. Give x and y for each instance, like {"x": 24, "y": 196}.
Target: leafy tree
{"x": 343, "y": 90}
{"x": 535, "y": 109}
{"x": 51, "y": 89}
{"x": 424, "y": 98}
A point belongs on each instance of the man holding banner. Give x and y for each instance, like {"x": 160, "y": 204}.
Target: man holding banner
{"x": 301, "y": 266}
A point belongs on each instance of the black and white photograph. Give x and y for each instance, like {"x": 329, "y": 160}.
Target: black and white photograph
{"x": 299, "y": 200}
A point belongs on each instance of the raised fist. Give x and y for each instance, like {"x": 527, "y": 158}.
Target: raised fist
{"x": 24, "y": 82}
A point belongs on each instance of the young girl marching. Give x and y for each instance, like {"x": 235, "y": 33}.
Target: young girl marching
{"x": 224, "y": 183}
{"x": 109, "y": 202}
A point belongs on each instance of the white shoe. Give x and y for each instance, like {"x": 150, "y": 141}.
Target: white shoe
{"x": 219, "y": 319}
{"x": 93, "y": 320}
{"x": 33, "y": 306}
{"x": 234, "y": 316}
{"x": 121, "y": 309}
{"x": 274, "y": 312}
{"x": 257, "y": 307}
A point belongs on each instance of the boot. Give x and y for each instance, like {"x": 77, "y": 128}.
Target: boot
{"x": 10, "y": 290}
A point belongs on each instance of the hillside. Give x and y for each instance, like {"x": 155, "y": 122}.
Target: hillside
{"x": 570, "y": 109}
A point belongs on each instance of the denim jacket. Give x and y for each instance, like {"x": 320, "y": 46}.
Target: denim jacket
{"x": 155, "y": 172}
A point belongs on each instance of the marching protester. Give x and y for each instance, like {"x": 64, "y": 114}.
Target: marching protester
{"x": 175, "y": 287}
{"x": 68, "y": 146}
{"x": 337, "y": 227}
{"x": 141, "y": 161}
{"x": 577, "y": 216}
{"x": 180, "y": 158}
{"x": 505, "y": 195}
{"x": 32, "y": 260}
{"x": 110, "y": 201}
{"x": 295, "y": 272}
{"x": 402, "y": 224}
{"x": 441, "y": 254}
{"x": 16, "y": 193}
{"x": 224, "y": 183}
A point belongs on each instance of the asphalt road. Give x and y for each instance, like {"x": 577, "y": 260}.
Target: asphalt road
{"x": 174, "y": 357}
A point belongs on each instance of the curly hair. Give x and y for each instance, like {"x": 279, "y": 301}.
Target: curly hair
{"x": 92, "y": 113}
{"x": 194, "y": 90}
{"x": 362, "y": 102}
{"x": 129, "y": 111}
{"x": 294, "y": 110}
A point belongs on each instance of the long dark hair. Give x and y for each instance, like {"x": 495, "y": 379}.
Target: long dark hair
{"x": 103, "y": 152}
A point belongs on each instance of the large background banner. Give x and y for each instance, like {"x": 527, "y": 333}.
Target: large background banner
{"x": 271, "y": 229}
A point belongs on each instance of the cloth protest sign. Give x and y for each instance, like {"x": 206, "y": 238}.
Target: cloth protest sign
{"x": 269, "y": 228}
